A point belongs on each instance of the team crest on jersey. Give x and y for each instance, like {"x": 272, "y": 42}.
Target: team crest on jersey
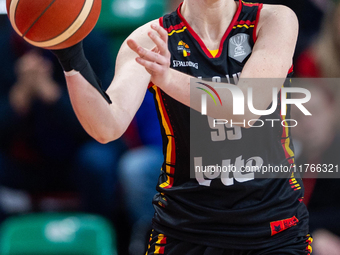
{"x": 183, "y": 48}
{"x": 239, "y": 47}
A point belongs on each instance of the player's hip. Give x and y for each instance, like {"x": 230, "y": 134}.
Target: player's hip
{"x": 160, "y": 243}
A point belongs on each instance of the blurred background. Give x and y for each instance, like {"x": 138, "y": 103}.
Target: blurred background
{"x": 60, "y": 189}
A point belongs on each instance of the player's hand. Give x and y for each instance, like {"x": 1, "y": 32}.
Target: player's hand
{"x": 157, "y": 60}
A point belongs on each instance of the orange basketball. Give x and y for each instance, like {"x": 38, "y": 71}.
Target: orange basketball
{"x": 53, "y": 24}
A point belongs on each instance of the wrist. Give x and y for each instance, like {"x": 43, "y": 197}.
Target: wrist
{"x": 71, "y": 73}
{"x": 72, "y": 58}
{"x": 168, "y": 80}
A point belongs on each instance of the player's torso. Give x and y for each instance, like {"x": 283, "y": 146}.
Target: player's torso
{"x": 217, "y": 194}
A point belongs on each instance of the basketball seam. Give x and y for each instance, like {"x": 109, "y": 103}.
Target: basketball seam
{"x": 12, "y": 12}
{"x": 64, "y": 35}
{"x": 75, "y": 20}
{"x": 82, "y": 8}
{"x": 24, "y": 34}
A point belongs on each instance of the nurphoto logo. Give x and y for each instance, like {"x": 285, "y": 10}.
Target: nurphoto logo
{"x": 238, "y": 99}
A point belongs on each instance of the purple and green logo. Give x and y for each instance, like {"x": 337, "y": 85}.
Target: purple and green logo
{"x": 210, "y": 94}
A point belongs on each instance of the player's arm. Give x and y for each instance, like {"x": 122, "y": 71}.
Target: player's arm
{"x": 103, "y": 121}
{"x": 271, "y": 58}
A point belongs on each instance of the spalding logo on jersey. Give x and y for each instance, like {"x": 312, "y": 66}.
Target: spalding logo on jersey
{"x": 239, "y": 47}
{"x": 183, "y": 48}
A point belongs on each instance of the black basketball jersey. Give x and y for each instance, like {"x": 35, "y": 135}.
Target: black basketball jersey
{"x": 228, "y": 211}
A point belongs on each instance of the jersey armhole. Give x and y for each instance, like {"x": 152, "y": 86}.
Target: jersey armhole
{"x": 161, "y": 22}
{"x": 257, "y": 21}
{"x": 291, "y": 70}
{"x": 150, "y": 85}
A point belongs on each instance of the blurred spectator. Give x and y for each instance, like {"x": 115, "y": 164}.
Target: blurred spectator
{"x": 43, "y": 148}
{"x": 139, "y": 170}
{"x": 310, "y": 14}
{"x": 318, "y": 142}
{"x": 319, "y": 134}
{"x": 322, "y": 58}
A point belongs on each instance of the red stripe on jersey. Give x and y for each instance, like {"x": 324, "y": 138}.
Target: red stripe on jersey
{"x": 165, "y": 113}
{"x": 246, "y": 22}
{"x": 170, "y": 150}
{"x": 175, "y": 27}
{"x": 170, "y": 183}
{"x": 291, "y": 69}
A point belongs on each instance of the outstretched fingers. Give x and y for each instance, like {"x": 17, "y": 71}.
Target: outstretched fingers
{"x": 156, "y": 61}
{"x": 160, "y": 39}
{"x": 161, "y": 31}
{"x": 151, "y": 67}
{"x": 149, "y": 55}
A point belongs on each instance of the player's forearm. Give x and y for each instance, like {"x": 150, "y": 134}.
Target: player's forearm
{"x": 177, "y": 86}
{"x": 98, "y": 118}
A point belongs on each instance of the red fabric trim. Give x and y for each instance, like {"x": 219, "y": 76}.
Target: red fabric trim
{"x": 246, "y": 22}
{"x": 176, "y": 27}
{"x": 150, "y": 84}
{"x": 171, "y": 179}
{"x": 198, "y": 39}
{"x": 234, "y": 20}
{"x": 165, "y": 113}
{"x": 291, "y": 69}
{"x": 161, "y": 22}
{"x": 257, "y": 22}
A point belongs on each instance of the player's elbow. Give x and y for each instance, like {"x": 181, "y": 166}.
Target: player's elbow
{"x": 104, "y": 139}
{"x": 106, "y": 136}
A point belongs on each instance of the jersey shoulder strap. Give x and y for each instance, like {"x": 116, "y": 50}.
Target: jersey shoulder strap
{"x": 247, "y": 14}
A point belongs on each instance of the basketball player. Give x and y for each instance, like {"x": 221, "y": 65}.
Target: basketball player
{"x": 204, "y": 38}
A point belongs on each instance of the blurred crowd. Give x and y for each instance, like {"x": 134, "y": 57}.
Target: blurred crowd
{"x": 49, "y": 163}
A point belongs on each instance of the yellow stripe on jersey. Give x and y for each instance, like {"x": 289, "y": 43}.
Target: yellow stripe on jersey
{"x": 157, "y": 249}
{"x": 287, "y": 140}
{"x": 160, "y": 239}
{"x": 177, "y": 31}
{"x": 214, "y": 52}
{"x": 170, "y": 147}
{"x": 248, "y": 2}
{"x": 244, "y": 25}
{"x": 167, "y": 183}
